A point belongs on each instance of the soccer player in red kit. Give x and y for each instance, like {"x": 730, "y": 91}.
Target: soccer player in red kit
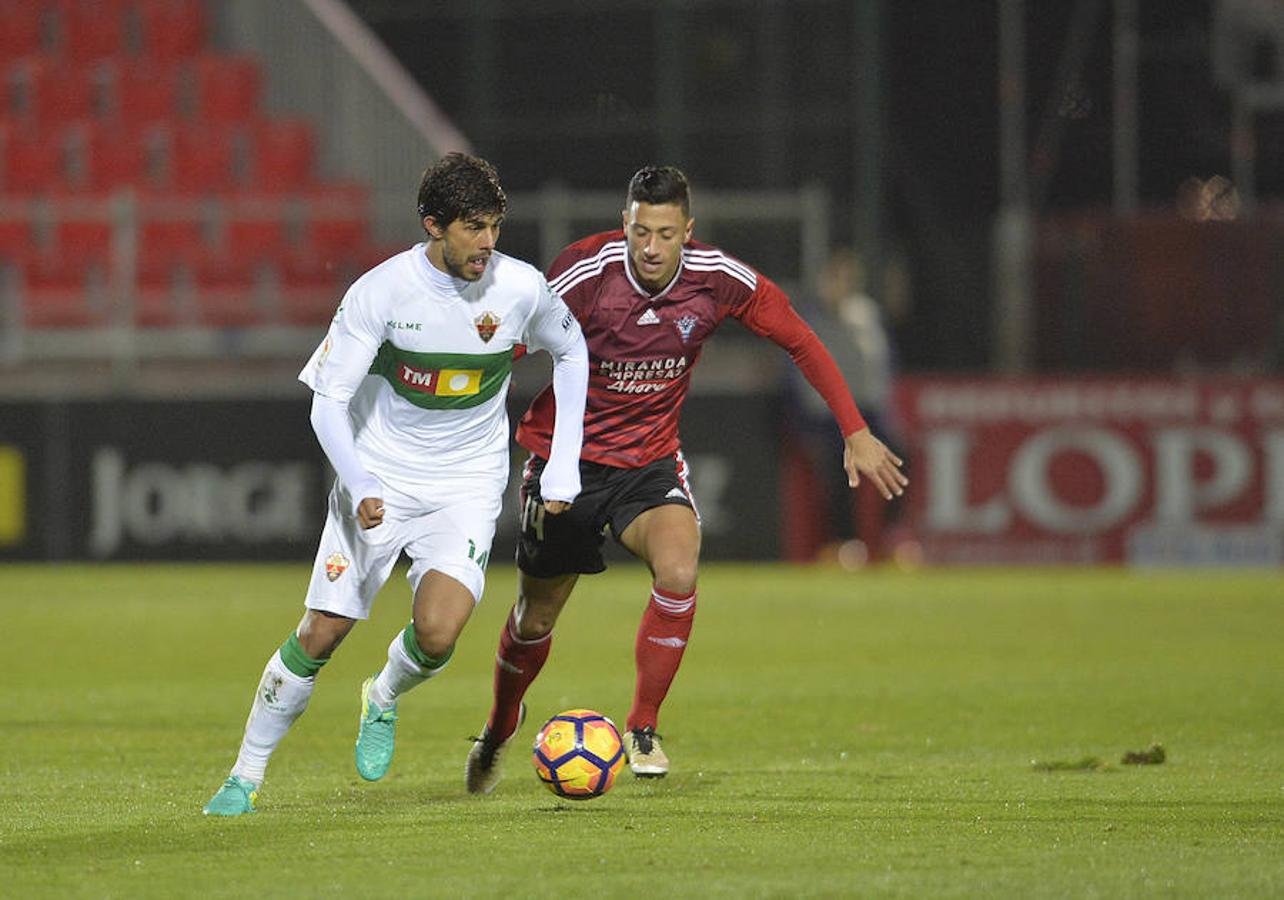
{"x": 647, "y": 297}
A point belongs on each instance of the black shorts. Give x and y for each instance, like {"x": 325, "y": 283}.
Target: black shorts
{"x": 571, "y": 542}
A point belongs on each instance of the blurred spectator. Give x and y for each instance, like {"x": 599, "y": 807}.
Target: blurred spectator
{"x": 825, "y": 518}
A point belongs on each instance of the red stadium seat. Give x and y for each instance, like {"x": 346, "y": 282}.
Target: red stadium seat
{"x": 114, "y": 158}
{"x": 311, "y": 289}
{"x": 156, "y": 298}
{"x": 171, "y": 30}
{"x": 17, "y": 239}
{"x": 64, "y": 292}
{"x": 86, "y": 238}
{"x": 256, "y": 239}
{"x": 167, "y": 241}
{"x": 227, "y": 88}
{"x": 22, "y": 33}
{"x": 336, "y": 224}
{"x": 284, "y": 153}
{"x": 202, "y": 159}
{"x": 90, "y": 29}
{"x": 34, "y": 161}
{"x": 337, "y": 239}
{"x": 145, "y": 92}
{"x": 226, "y": 292}
{"x": 53, "y": 93}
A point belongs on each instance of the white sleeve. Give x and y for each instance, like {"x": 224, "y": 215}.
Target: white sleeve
{"x": 554, "y": 328}
{"x": 334, "y": 432}
{"x": 337, "y": 367}
{"x": 560, "y": 479}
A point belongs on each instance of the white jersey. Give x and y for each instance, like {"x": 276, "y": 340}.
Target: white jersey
{"x": 425, "y": 361}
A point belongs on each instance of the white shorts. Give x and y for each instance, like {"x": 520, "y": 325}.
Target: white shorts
{"x": 451, "y": 533}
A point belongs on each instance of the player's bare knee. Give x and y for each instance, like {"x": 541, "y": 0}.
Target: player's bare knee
{"x": 678, "y": 577}
{"x": 534, "y": 619}
{"x": 320, "y": 633}
{"x": 534, "y": 625}
{"x": 433, "y": 642}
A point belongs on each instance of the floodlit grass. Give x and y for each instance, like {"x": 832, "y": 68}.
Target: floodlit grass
{"x": 831, "y": 734}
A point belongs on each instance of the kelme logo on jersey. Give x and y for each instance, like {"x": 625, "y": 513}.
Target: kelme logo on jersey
{"x": 335, "y": 565}
{"x": 487, "y": 324}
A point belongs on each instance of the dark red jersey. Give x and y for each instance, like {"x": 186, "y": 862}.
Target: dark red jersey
{"x": 642, "y": 347}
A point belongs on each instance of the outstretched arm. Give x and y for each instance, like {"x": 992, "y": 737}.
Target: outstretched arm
{"x": 770, "y": 314}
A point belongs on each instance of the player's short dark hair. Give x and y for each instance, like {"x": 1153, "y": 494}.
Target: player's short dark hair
{"x": 459, "y": 186}
{"x": 660, "y": 184}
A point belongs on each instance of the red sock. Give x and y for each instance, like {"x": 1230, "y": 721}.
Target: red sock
{"x": 662, "y": 637}
{"x": 517, "y": 662}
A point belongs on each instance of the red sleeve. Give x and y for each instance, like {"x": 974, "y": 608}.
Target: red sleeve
{"x": 769, "y": 313}
{"x": 575, "y": 292}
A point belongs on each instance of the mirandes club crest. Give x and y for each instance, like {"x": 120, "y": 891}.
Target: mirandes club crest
{"x": 335, "y": 565}
{"x": 487, "y": 324}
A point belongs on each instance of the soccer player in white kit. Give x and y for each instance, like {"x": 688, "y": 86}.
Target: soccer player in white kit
{"x": 409, "y": 391}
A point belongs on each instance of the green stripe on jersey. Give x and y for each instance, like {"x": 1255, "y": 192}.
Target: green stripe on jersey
{"x": 442, "y": 380}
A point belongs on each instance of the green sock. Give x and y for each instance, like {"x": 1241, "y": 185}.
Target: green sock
{"x": 418, "y": 655}
{"x": 298, "y": 661}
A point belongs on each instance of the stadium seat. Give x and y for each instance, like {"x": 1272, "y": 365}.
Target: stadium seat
{"x": 144, "y": 92}
{"x": 22, "y": 33}
{"x": 113, "y": 157}
{"x": 156, "y": 294}
{"x": 226, "y": 292}
{"x": 167, "y": 241}
{"x": 90, "y": 30}
{"x": 339, "y": 239}
{"x": 283, "y": 154}
{"x": 310, "y": 289}
{"x": 52, "y": 93}
{"x": 226, "y": 88}
{"x": 201, "y": 159}
{"x": 34, "y": 161}
{"x": 256, "y": 239}
{"x": 86, "y": 238}
{"x": 62, "y": 291}
{"x": 171, "y": 30}
{"x": 17, "y": 239}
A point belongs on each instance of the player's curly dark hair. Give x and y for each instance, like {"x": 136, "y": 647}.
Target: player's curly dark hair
{"x": 459, "y": 186}
{"x": 660, "y": 184}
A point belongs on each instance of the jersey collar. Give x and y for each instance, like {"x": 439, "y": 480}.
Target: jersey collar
{"x": 628, "y": 273}
{"x": 434, "y": 276}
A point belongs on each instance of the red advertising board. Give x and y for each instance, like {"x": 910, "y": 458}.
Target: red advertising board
{"x": 1096, "y": 470}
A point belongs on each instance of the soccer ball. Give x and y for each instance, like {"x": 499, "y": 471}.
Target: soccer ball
{"x": 578, "y": 753}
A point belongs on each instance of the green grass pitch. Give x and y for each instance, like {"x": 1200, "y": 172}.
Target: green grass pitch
{"x": 832, "y": 734}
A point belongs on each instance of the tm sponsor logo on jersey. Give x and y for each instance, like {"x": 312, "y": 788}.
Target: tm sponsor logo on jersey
{"x": 405, "y": 326}
{"x": 642, "y": 376}
{"x": 441, "y": 382}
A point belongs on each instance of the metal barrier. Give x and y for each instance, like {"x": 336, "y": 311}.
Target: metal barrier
{"x": 797, "y": 224}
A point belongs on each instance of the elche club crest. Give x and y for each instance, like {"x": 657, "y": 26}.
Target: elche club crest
{"x": 335, "y": 565}
{"x": 487, "y": 324}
